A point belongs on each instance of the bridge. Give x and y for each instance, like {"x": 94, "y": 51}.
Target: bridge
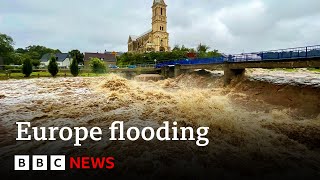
{"x": 235, "y": 65}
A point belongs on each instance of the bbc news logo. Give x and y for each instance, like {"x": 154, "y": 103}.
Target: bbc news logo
{"x": 58, "y": 162}
{"x": 39, "y": 162}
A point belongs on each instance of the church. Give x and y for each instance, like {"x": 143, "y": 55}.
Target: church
{"x": 156, "y": 39}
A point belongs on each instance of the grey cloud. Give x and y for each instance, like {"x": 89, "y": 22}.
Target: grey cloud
{"x": 230, "y": 26}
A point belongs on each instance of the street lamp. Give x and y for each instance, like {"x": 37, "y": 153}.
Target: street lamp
{"x": 155, "y": 62}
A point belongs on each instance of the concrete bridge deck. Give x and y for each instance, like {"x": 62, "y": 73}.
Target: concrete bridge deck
{"x": 302, "y": 63}
{"x": 235, "y": 65}
{"x": 233, "y": 69}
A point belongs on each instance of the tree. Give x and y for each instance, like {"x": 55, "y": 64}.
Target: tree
{"x": 6, "y": 48}
{"x": 184, "y": 49}
{"x": 53, "y": 66}
{"x": 27, "y": 67}
{"x": 202, "y": 48}
{"x": 36, "y": 63}
{"x": 214, "y": 53}
{"x": 36, "y": 51}
{"x": 77, "y": 55}
{"x": 17, "y": 58}
{"x": 176, "y": 48}
{"x": 97, "y": 66}
{"x": 178, "y": 52}
{"x": 21, "y": 50}
{"x": 74, "y": 68}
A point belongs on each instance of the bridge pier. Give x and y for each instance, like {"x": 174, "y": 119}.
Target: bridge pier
{"x": 172, "y": 71}
{"x": 129, "y": 75}
{"x": 178, "y": 70}
{"x": 230, "y": 74}
{"x": 168, "y": 72}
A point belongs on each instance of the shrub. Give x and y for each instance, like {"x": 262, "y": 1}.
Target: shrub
{"x": 53, "y": 66}
{"x": 35, "y": 63}
{"x": 27, "y": 67}
{"x": 74, "y": 68}
{"x": 13, "y": 67}
{"x": 97, "y": 66}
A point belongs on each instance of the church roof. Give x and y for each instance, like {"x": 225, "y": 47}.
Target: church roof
{"x": 159, "y": 1}
{"x": 145, "y": 33}
{"x": 134, "y": 38}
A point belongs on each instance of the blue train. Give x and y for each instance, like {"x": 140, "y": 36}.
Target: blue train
{"x": 275, "y": 55}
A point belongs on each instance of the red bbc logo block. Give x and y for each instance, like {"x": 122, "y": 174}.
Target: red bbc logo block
{"x": 39, "y": 162}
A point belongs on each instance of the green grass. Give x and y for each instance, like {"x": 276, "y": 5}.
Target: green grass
{"x": 3, "y": 76}
{"x": 314, "y": 70}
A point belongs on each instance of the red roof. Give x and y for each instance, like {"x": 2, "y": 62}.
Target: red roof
{"x": 191, "y": 55}
{"x": 104, "y": 56}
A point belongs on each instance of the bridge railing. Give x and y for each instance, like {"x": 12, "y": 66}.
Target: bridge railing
{"x": 213, "y": 60}
{"x": 281, "y": 54}
{"x": 278, "y": 55}
{"x": 292, "y": 53}
{"x": 132, "y": 66}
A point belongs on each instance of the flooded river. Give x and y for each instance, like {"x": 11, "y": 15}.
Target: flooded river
{"x": 255, "y": 127}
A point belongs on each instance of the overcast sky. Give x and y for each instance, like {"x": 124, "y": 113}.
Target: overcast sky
{"x": 231, "y": 26}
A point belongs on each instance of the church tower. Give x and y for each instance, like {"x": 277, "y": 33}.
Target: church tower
{"x": 160, "y": 35}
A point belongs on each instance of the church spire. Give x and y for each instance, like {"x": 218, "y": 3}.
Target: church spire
{"x": 159, "y": 2}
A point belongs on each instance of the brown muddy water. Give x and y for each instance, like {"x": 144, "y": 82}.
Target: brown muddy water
{"x": 256, "y": 128}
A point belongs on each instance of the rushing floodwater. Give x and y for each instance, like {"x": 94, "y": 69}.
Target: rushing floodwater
{"x": 304, "y": 78}
{"x": 236, "y": 131}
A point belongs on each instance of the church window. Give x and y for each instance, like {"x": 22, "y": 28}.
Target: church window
{"x": 161, "y": 11}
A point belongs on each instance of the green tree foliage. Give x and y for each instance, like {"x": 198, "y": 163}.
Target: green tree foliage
{"x": 77, "y": 55}
{"x": 36, "y": 63}
{"x": 178, "y": 52}
{"x": 33, "y": 52}
{"x": 202, "y": 48}
{"x": 21, "y": 51}
{"x": 6, "y": 48}
{"x": 214, "y": 53}
{"x": 17, "y": 58}
{"x": 74, "y": 67}
{"x": 176, "y": 48}
{"x": 36, "y": 52}
{"x": 53, "y": 66}
{"x": 27, "y": 67}
{"x": 97, "y": 66}
{"x": 203, "y": 52}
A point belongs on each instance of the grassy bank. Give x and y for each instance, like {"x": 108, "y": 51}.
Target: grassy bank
{"x": 3, "y": 75}
{"x": 314, "y": 70}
